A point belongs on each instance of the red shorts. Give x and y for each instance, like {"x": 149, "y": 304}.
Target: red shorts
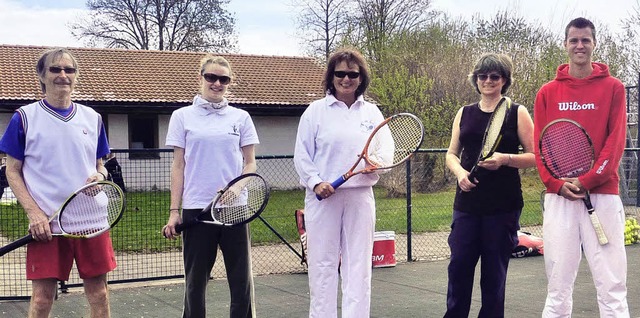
{"x": 54, "y": 259}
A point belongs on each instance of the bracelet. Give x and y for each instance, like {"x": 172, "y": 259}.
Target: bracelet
{"x": 104, "y": 177}
{"x": 174, "y": 210}
{"x": 509, "y": 162}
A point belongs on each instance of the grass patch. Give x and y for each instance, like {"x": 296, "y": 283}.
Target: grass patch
{"x": 146, "y": 213}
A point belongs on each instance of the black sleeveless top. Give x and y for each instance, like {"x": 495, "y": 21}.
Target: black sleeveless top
{"x": 498, "y": 191}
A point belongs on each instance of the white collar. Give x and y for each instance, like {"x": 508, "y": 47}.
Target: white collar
{"x": 211, "y": 107}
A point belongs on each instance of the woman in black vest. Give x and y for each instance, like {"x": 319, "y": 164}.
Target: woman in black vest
{"x": 486, "y": 209}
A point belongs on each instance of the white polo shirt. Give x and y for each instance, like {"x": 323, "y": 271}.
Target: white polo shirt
{"x": 330, "y": 138}
{"x": 212, "y": 141}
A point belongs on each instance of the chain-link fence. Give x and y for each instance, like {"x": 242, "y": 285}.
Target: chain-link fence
{"x": 420, "y": 221}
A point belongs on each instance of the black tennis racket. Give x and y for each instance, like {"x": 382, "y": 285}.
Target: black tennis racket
{"x": 240, "y": 202}
{"x": 492, "y": 133}
{"x": 390, "y": 144}
{"x": 88, "y": 212}
{"x": 567, "y": 151}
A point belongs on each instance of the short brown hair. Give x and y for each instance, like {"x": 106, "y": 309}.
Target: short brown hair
{"x": 580, "y": 23}
{"x": 492, "y": 62}
{"x": 351, "y": 56}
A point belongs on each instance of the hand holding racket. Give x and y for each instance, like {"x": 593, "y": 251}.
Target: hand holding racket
{"x": 566, "y": 151}
{"x": 88, "y": 212}
{"x": 492, "y": 134}
{"x": 390, "y": 144}
{"x": 240, "y": 202}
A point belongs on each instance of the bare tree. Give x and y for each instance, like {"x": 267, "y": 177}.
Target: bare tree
{"x": 177, "y": 25}
{"x": 322, "y": 24}
{"x": 631, "y": 38}
{"x": 377, "y": 19}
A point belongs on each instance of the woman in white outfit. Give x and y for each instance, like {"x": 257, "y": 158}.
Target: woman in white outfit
{"x": 340, "y": 227}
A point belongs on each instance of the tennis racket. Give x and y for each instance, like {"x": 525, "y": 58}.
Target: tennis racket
{"x": 492, "y": 133}
{"x": 390, "y": 144}
{"x": 88, "y": 212}
{"x": 241, "y": 201}
{"x": 566, "y": 151}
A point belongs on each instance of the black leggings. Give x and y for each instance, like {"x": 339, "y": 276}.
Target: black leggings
{"x": 200, "y": 247}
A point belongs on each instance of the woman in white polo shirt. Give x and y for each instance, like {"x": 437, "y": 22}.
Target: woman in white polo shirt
{"x": 331, "y": 134}
{"x": 213, "y": 143}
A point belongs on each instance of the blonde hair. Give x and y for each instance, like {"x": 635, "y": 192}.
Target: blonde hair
{"x": 213, "y": 59}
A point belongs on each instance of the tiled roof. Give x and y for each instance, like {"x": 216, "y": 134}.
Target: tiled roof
{"x": 129, "y": 76}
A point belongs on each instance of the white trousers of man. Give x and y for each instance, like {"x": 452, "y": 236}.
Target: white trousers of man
{"x": 340, "y": 233}
{"x": 568, "y": 232}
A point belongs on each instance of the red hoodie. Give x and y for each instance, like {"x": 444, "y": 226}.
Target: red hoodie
{"x": 598, "y": 103}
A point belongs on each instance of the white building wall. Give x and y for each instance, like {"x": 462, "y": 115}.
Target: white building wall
{"x": 163, "y": 126}
{"x": 277, "y": 137}
{"x": 277, "y": 134}
{"x": 118, "y": 131}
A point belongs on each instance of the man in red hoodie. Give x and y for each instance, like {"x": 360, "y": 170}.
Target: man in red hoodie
{"x": 585, "y": 92}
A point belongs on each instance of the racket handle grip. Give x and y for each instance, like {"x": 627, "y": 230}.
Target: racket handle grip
{"x": 16, "y": 244}
{"x": 602, "y": 238}
{"x": 595, "y": 221}
{"x": 335, "y": 184}
{"x": 182, "y": 226}
{"x": 472, "y": 174}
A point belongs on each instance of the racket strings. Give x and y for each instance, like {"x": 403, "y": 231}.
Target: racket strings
{"x": 396, "y": 141}
{"x": 566, "y": 150}
{"x": 236, "y": 206}
{"x": 91, "y": 211}
{"x": 492, "y": 134}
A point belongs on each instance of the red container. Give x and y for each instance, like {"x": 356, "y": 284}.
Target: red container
{"x": 384, "y": 249}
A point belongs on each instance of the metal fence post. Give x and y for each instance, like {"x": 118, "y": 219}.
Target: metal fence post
{"x": 409, "y": 257}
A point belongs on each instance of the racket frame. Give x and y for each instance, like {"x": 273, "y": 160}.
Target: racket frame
{"x": 89, "y": 187}
{"x": 208, "y": 210}
{"x": 595, "y": 221}
{"x": 364, "y": 154}
{"x": 481, "y": 157}
{"x": 56, "y": 216}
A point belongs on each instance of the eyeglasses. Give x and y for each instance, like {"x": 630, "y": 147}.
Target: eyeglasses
{"x": 57, "y": 69}
{"x": 342, "y": 74}
{"x": 493, "y": 77}
{"x": 212, "y": 78}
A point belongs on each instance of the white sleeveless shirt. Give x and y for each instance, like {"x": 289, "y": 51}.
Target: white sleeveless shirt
{"x": 60, "y": 152}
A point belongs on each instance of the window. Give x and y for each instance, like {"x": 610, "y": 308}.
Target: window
{"x": 143, "y": 135}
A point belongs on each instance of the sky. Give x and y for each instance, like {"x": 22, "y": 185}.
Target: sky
{"x": 267, "y": 27}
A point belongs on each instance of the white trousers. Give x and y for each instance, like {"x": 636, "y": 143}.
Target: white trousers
{"x": 568, "y": 232}
{"x": 340, "y": 231}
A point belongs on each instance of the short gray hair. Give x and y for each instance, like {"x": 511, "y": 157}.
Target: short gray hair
{"x": 45, "y": 60}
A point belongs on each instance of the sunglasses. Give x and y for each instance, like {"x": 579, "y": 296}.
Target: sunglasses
{"x": 493, "y": 77}
{"x": 212, "y": 78}
{"x": 68, "y": 70}
{"x": 342, "y": 74}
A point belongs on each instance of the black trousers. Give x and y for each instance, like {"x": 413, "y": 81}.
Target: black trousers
{"x": 490, "y": 238}
{"x": 200, "y": 247}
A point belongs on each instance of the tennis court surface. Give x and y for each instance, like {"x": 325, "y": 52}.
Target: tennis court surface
{"x": 415, "y": 289}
